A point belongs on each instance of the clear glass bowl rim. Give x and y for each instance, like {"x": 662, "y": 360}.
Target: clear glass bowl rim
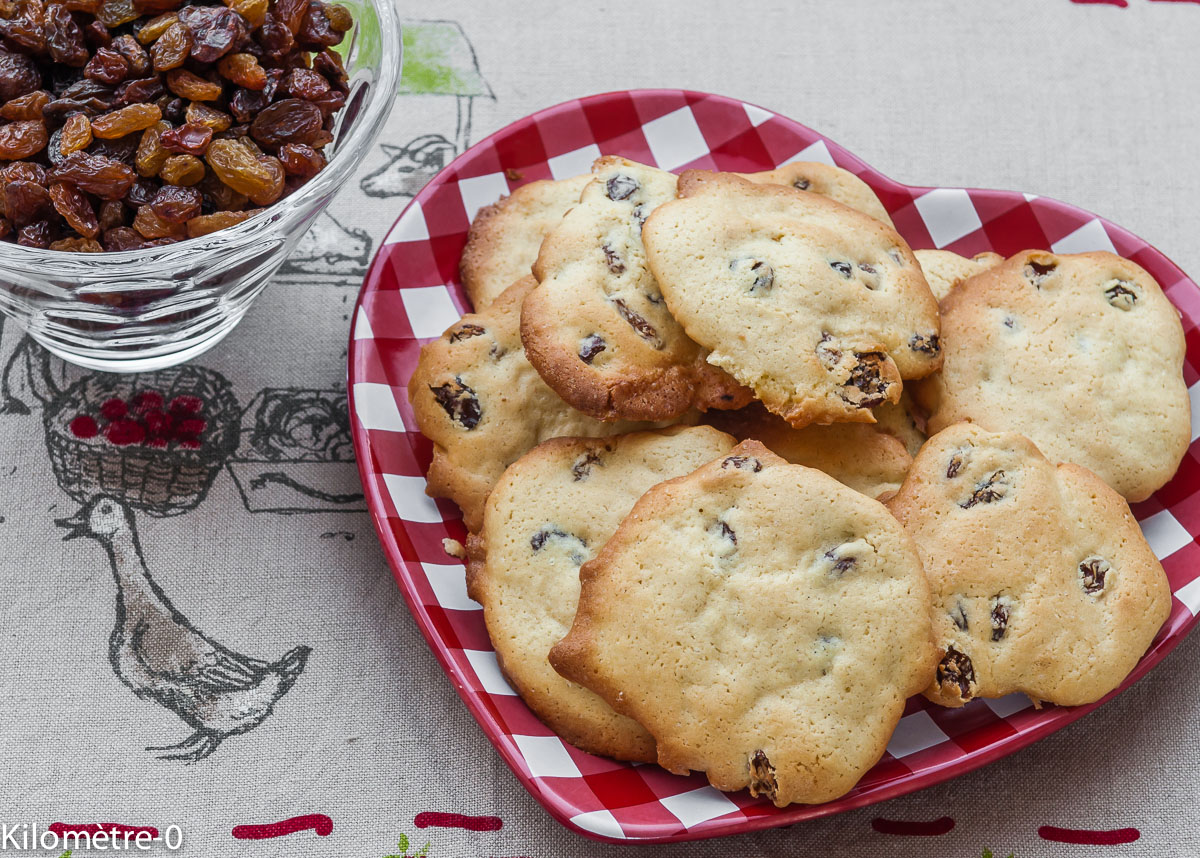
{"x": 348, "y": 156}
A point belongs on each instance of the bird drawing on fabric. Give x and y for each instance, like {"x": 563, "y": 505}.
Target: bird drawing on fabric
{"x": 161, "y": 656}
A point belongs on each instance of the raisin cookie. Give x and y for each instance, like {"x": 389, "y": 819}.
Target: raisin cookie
{"x": 858, "y": 455}
{"x": 1081, "y": 353}
{"x": 945, "y": 269}
{"x": 819, "y": 308}
{"x": 597, "y": 328}
{"x": 772, "y": 658}
{"x": 505, "y": 236}
{"x": 1042, "y": 581}
{"x": 483, "y": 406}
{"x": 552, "y": 510}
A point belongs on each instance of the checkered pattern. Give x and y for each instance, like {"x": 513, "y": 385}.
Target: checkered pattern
{"x": 412, "y": 293}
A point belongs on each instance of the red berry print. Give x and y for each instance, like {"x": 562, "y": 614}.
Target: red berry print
{"x": 186, "y": 405}
{"x": 125, "y": 432}
{"x": 191, "y": 427}
{"x": 147, "y": 401}
{"x": 113, "y": 409}
{"x": 84, "y": 426}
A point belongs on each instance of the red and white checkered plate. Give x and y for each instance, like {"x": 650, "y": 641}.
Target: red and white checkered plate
{"x": 412, "y": 293}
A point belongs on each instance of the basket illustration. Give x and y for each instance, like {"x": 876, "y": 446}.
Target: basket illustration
{"x": 154, "y": 440}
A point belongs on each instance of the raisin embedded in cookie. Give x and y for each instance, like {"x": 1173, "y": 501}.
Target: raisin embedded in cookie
{"x": 864, "y": 457}
{"x": 505, "y": 236}
{"x": 819, "y": 308}
{"x": 551, "y": 511}
{"x": 945, "y": 269}
{"x": 1082, "y": 353}
{"x": 774, "y": 658}
{"x": 1042, "y": 581}
{"x": 478, "y": 400}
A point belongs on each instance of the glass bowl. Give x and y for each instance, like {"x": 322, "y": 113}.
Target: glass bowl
{"x": 140, "y": 310}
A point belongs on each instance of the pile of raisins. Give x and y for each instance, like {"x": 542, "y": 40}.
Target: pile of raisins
{"x": 138, "y": 123}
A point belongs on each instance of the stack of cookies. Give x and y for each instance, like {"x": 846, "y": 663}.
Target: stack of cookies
{"x": 686, "y": 425}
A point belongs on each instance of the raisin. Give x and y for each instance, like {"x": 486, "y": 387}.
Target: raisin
{"x": 1001, "y": 608}
{"x": 762, "y": 776}
{"x": 201, "y": 114}
{"x": 6, "y": 227}
{"x": 929, "y": 344}
{"x": 842, "y": 268}
{"x": 35, "y": 235}
{"x": 276, "y": 39}
{"x": 956, "y": 673}
{"x": 155, "y": 27}
{"x": 329, "y": 102}
{"x": 954, "y": 465}
{"x": 959, "y": 615}
{"x": 539, "y": 539}
{"x": 219, "y": 196}
{"x": 122, "y": 238}
{"x": 723, "y": 531}
{"x": 459, "y": 402}
{"x": 301, "y": 160}
{"x": 141, "y": 193}
{"x": 990, "y": 490}
{"x": 1092, "y": 572}
{"x": 134, "y": 54}
{"x": 615, "y": 265}
{"x": 112, "y": 215}
{"x": 204, "y": 224}
{"x": 174, "y": 109}
{"x": 305, "y": 84}
{"x": 802, "y": 184}
{"x": 24, "y": 34}
{"x": 866, "y": 387}
{"x": 97, "y": 35}
{"x": 23, "y": 139}
{"x": 28, "y": 106}
{"x": 24, "y": 171}
{"x": 254, "y": 11}
{"x": 76, "y": 210}
{"x": 288, "y": 121}
{"x": 243, "y": 70}
{"x": 643, "y": 328}
{"x": 64, "y": 39}
{"x": 77, "y": 245}
{"x": 841, "y": 562}
{"x": 582, "y": 468}
{"x": 123, "y": 149}
{"x": 829, "y": 354}
{"x": 187, "y": 139}
{"x": 114, "y": 13}
{"x": 465, "y": 331}
{"x": 151, "y": 155}
{"x": 742, "y": 463}
{"x": 867, "y": 269}
{"x": 215, "y": 31}
{"x": 107, "y": 66}
{"x": 1036, "y": 271}
{"x": 150, "y": 225}
{"x": 1121, "y": 294}
{"x": 763, "y": 274}
{"x": 191, "y": 86}
{"x": 26, "y": 202}
{"x": 172, "y": 48}
{"x": 96, "y": 174}
{"x": 590, "y": 346}
{"x": 330, "y": 65}
{"x": 185, "y": 170}
{"x": 126, "y": 120}
{"x": 76, "y": 134}
{"x": 156, "y": 7}
{"x": 175, "y": 204}
{"x": 621, "y": 187}
{"x": 323, "y": 26}
{"x": 258, "y": 177}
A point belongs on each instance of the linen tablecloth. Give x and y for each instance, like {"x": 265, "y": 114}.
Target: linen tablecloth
{"x": 1093, "y": 103}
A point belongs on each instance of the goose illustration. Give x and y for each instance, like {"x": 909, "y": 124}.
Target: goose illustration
{"x": 161, "y": 656}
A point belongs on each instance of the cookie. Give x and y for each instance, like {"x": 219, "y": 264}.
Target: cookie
{"x": 1082, "y": 353}
{"x": 819, "y": 308}
{"x": 828, "y": 181}
{"x": 504, "y": 238}
{"x": 597, "y": 328}
{"x": 902, "y": 419}
{"x": 552, "y": 510}
{"x": 1042, "y": 581}
{"x": 483, "y": 406}
{"x": 774, "y": 658}
{"x": 945, "y": 269}
{"x": 858, "y": 455}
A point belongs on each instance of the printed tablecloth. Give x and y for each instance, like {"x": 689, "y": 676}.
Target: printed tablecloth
{"x": 260, "y": 541}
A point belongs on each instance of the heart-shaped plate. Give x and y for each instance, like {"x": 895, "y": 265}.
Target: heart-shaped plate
{"x": 412, "y": 293}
